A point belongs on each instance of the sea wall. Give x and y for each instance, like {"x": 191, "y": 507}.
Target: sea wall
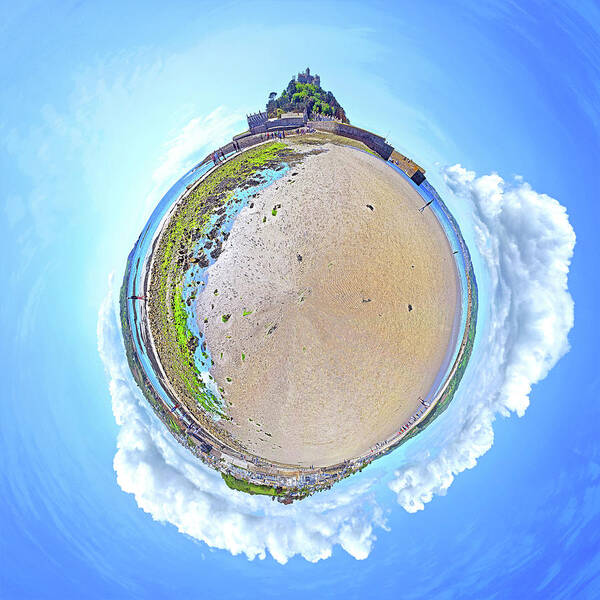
{"x": 285, "y": 122}
{"x": 372, "y": 141}
{"x": 242, "y": 142}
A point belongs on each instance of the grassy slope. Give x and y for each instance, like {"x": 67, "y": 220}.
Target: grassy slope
{"x": 249, "y": 488}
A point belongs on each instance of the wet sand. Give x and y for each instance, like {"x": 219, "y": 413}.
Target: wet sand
{"x": 331, "y": 360}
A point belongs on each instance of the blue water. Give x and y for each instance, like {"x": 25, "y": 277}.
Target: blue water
{"x": 195, "y": 275}
{"x": 136, "y": 267}
{"x": 91, "y": 97}
{"x": 463, "y": 264}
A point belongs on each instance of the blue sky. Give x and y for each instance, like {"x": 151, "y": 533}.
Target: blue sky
{"x": 104, "y": 107}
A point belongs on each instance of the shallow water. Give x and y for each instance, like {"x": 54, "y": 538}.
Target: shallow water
{"x": 198, "y": 278}
{"x": 136, "y": 266}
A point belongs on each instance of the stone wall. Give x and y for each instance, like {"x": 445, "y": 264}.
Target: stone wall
{"x": 286, "y": 123}
{"x": 372, "y": 141}
{"x": 258, "y": 129}
{"x": 256, "y": 119}
{"x": 243, "y": 142}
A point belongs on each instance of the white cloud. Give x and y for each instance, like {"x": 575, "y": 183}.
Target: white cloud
{"x": 193, "y": 143}
{"x": 208, "y": 132}
{"x": 526, "y": 243}
{"x": 174, "y": 487}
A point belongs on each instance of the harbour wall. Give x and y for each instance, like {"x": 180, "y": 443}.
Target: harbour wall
{"x": 372, "y": 141}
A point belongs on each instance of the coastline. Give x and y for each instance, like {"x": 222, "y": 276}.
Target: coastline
{"x": 290, "y": 478}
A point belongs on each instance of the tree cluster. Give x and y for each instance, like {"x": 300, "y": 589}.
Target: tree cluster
{"x": 299, "y": 96}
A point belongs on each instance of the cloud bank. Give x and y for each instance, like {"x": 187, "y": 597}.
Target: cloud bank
{"x": 525, "y": 241}
{"x": 174, "y": 487}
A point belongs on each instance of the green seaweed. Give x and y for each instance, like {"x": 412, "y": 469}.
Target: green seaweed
{"x": 190, "y": 221}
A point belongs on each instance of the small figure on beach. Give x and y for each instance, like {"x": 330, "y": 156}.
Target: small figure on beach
{"x": 424, "y": 207}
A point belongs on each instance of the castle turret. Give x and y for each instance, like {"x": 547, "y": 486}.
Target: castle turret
{"x": 306, "y": 77}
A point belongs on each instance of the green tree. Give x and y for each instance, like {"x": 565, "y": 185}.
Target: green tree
{"x": 297, "y": 96}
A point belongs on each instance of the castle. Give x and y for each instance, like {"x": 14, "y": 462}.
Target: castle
{"x": 306, "y": 77}
{"x": 283, "y": 114}
{"x": 261, "y": 123}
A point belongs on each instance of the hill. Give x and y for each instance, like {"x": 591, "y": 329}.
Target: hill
{"x": 298, "y": 96}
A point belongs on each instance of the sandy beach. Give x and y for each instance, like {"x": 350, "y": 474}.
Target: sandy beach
{"x": 341, "y": 309}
